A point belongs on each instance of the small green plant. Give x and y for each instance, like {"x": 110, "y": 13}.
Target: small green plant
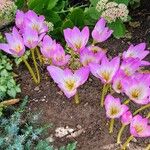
{"x": 8, "y": 86}
{"x": 17, "y": 133}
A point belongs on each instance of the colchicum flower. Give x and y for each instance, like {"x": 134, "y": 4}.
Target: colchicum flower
{"x": 137, "y": 89}
{"x": 114, "y": 108}
{"x": 101, "y": 33}
{"x": 106, "y": 70}
{"x": 139, "y": 127}
{"x": 19, "y": 20}
{"x": 87, "y": 57}
{"x": 76, "y": 39}
{"x": 58, "y": 57}
{"x": 48, "y": 46}
{"x": 130, "y": 65}
{"x": 68, "y": 81}
{"x": 126, "y": 118}
{"x": 137, "y": 51}
{"x": 15, "y": 44}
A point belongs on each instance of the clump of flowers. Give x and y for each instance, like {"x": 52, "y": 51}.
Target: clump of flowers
{"x": 112, "y": 11}
{"x": 7, "y": 11}
{"x": 69, "y": 66}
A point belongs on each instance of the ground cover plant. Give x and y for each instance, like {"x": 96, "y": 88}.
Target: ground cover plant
{"x": 71, "y": 64}
{"x": 70, "y": 68}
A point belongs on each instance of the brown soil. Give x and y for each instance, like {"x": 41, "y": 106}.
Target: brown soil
{"x": 56, "y": 109}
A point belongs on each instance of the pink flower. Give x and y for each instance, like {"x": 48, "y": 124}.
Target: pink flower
{"x": 15, "y": 44}
{"x": 126, "y": 118}
{"x": 100, "y": 32}
{"x": 76, "y": 39}
{"x": 117, "y": 81}
{"x": 114, "y": 108}
{"x": 139, "y": 127}
{"x": 130, "y": 65}
{"x": 137, "y": 89}
{"x": 137, "y": 51}
{"x": 19, "y": 20}
{"x": 106, "y": 70}
{"x": 68, "y": 81}
{"x": 58, "y": 57}
{"x": 96, "y": 50}
{"x": 48, "y": 46}
{"x": 87, "y": 57}
{"x": 30, "y": 38}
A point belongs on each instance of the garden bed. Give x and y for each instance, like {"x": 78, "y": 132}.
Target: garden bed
{"x": 87, "y": 117}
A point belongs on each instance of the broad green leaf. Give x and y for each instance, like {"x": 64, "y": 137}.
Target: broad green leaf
{"x": 126, "y": 2}
{"x": 118, "y": 29}
{"x": 51, "y": 4}
{"x": 77, "y": 17}
{"x": 94, "y": 2}
{"x": 52, "y": 16}
{"x": 67, "y": 24}
{"x": 20, "y": 3}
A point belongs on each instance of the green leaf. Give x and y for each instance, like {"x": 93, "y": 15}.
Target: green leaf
{"x": 12, "y": 92}
{"x": 67, "y": 24}
{"x": 20, "y": 3}
{"x": 94, "y": 2}
{"x": 77, "y": 17}
{"x": 51, "y": 4}
{"x": 126, "y": 2}
{"x": 71, "y": 146}
{"x": 118, "y": 29}
{"x": 52, "y": 16}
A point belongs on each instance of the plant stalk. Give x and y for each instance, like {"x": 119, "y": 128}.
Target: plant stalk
{"x": 30, "y": 69}
{"x": 148, "y": 147}
{"x": 141, "y": 109}
{"x": 76, "y": 98}
{"x": 127, "y": 142}
{"x": 104, "y": 92}
{"x": 39, "y": 55}
{"x": 120, "y": 134}
{"x": 111, "y": 127}
{"x": 35, "y": 65}
{"x": 126, "y": 101}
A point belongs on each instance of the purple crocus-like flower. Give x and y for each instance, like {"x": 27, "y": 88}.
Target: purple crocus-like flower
{"x": 114, "y": 108}
{"x": 96, "y": 50}
{"x": 101, "y": 33}
{"x": 48, "y": 46}
{"x": 30, "y": 38}
{"x": 117, "y": 81}
{"x": 130, "y": 65}
{"x": 87, "y": 57}
{"x": 68, "y": 81}
{"x": 106, "y": 70}
{"x": 15, "y": 44}
{"x": 35, "y": 22}
{"x": 137, "y": 51}
{"x": 137, "y": 89}
{"x": 126, "y": 118}
{"x": 139, "y": 127}
{"x": 76, "y": 39}
{"x": 19, "y": 20}
{"x": 58, "y": 57}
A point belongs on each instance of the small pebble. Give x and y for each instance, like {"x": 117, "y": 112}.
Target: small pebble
{"x": 36, "y": 88}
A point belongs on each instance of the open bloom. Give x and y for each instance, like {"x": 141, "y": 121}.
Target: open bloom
{"x": 58, "y": 57}
{"x": 130, "y": 65}
{"x": 101, "y": 33}
{"x": 76, "y": 39}
{"x": 68, "y": 81}
{"x": 137, "y": 89}
{"x": 139, "y": 127}
{"x": 30, "y": 38}
{"x": 117, "y": 81}
{"x": 87, "y": 57}
{"x": 137, "y": 51}
{"x": 48, "y": 46}
{"x": 15, "y": 44}
{"x": 114, "y": 108}
{"x": 126, "y": 118}
{"x": 106, "y": 70}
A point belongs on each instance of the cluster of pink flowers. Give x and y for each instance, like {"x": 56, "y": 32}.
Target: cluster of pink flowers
{"x": 122, "y": 73}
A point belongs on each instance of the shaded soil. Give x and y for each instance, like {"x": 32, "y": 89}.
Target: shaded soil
{"x": 57, "y": 110}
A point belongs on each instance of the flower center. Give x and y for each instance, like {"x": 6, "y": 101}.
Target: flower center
{"x": 119, "y": 86}
{"x": 135, "y": 93}
{"x": 70, "y": 84}
{"x": 18, "y": 48}
{"x": 138, "y": 128}
{"x": 106, "y": 75}
{"x": 114, "y": 111}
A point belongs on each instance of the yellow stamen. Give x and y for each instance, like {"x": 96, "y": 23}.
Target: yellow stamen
{"x": 70, "y": 84}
